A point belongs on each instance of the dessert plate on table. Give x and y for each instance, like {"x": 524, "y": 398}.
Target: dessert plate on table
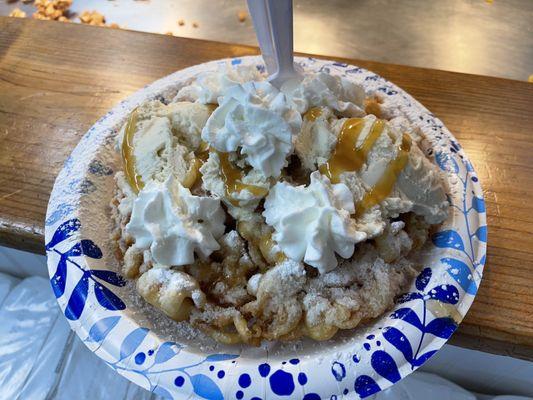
{"x": 146, "y": 347}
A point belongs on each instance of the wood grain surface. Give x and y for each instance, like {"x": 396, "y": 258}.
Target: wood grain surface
{"x": 57, "y": 79}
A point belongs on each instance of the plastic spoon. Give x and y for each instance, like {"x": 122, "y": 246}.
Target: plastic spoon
{"x": 273, "y": 26}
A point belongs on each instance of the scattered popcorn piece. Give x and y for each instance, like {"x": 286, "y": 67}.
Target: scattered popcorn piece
{"x": 52, "y": 9}
{"x": 195, "y": 25}
{"x": 97, "y": 19}
{"x": 169, "y": 33}
{"x": 92, "y": 18}
{"x": 242, "y": 15}
{"x": 17, "y": 13}
{"x": 181, "y": 22}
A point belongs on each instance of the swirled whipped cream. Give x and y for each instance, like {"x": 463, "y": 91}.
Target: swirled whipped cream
{"x": 256, "y": 118}
{"x": 172, "y": 223}
{"x": 322, "y": 89}
{"x": 313, "y": 223}
{"x": 209, "y": 86}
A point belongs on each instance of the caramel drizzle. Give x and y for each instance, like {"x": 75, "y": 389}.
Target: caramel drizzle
{"x": 347, "y": 156}
{"x": 201, "y": 156}
{"x": 266, "y": 244}
{"x": 233, "y": 179}
{"x": 313, "y": 114}
{"x": 193, "y": 175}
{"x": 128, "y": 158}
{"x": 384, "y": 186}
{"x": 231, "y": 176}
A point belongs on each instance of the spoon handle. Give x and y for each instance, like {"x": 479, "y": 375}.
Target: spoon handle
{"x": 261, "y": 19}
{"x": 273, "y": 25}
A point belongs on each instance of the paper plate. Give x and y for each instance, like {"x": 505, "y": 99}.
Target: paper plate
{"x": 355, "y": 364}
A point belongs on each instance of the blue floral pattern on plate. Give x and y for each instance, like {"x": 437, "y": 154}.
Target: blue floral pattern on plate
{"x": 90, "y": 291}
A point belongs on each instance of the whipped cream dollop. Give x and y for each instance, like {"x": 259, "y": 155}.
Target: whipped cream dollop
{"x": 174, "y": 224}
{"x": 256, "y": 118}
{"x": 210, "y": 85}
{"x": 313, "y": 223}
{"x": 321, "y": 89}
